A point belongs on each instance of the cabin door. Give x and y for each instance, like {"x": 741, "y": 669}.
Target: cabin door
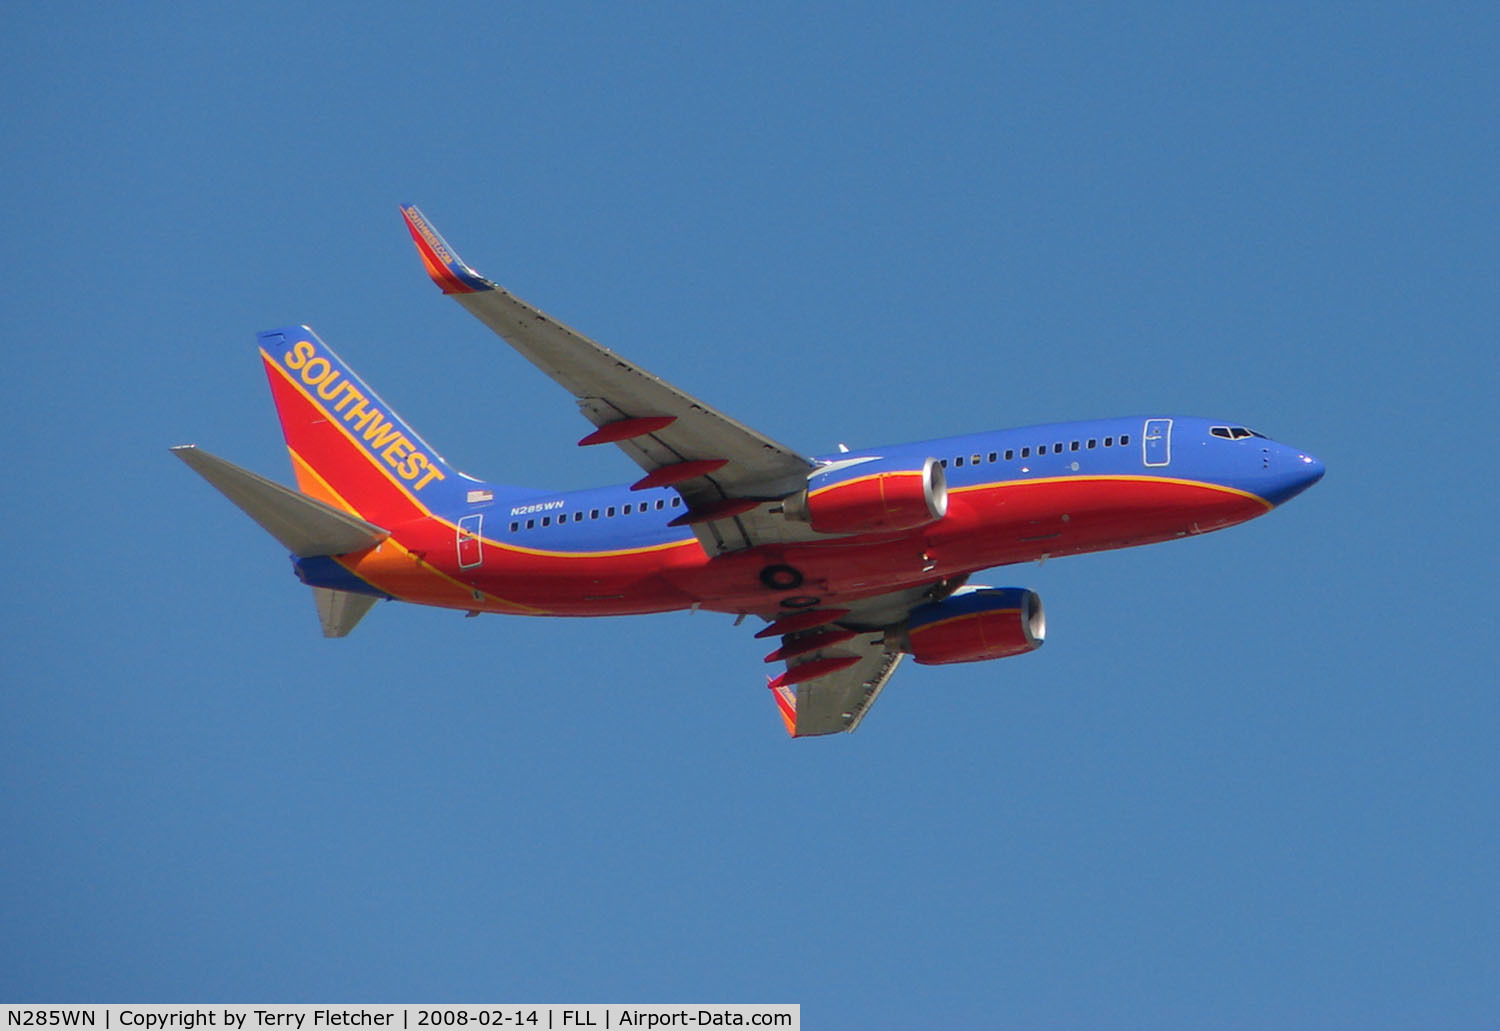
{"x": 1156, "y": 442}
{"x": 470, "y": 551}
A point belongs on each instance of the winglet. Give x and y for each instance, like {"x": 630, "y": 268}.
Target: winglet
{"x": 786, "y": 702}
{"x": 445, "y": 267}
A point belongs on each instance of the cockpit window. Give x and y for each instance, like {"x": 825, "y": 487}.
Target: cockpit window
{"x": 1233, "y": 432}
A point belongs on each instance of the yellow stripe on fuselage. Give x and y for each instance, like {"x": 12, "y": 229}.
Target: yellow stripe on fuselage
{"x": 1116, "y": 478}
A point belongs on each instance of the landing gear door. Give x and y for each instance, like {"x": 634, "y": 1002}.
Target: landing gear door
{"x": 470, "y": 551}
{"x": 1156, "y": 442}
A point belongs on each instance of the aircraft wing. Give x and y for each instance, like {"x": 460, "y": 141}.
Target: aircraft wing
{"x": 727, "y": 473}
{"x": 839, "y": 660}
{"x": 835, "y": 701}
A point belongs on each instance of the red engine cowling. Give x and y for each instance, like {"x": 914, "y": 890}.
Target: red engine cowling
{"x": 975, "y": 624}
{"x": 872, "y": 497}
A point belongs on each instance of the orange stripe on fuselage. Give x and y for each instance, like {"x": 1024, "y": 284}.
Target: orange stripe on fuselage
{"x": 400, "y": 571}
{"x": 406, "y": 574}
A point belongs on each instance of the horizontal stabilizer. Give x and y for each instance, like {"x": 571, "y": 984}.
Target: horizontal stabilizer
{"x": 304, "y": 525}
{"x": 340, "y": 611}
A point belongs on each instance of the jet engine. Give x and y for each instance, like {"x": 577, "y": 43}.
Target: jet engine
{"x": 972, "y": 624}
{"x": 872, "y": 497}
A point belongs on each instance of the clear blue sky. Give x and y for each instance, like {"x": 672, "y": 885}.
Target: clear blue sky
{"x": 1250, "y": 781}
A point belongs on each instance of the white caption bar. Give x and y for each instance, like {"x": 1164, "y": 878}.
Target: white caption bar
{"x": 404, "y": 1017}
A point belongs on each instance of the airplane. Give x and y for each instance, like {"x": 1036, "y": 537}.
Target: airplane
{"x": 852, "y": 560}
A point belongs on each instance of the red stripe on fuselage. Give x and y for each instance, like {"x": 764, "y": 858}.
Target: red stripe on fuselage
{"x": 993, "y": 525}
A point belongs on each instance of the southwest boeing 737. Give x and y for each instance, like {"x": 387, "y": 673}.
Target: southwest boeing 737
{"x": 853, "y": 560}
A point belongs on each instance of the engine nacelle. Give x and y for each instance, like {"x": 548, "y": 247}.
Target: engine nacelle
{"x": 874, "y": 496}
{"x": 973, "y": 624}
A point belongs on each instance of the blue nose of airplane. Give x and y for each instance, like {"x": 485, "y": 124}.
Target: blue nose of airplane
{"x": 1293, "y": 472}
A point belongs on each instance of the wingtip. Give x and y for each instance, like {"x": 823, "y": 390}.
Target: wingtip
{"x": 444, "y": 266}
{"x": 786, "y": 704}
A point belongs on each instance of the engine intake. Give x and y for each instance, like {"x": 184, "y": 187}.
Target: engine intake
{"x": 974, "y": 624}
{"x": 872, "y": 497}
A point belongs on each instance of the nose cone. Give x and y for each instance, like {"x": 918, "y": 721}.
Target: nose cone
{"x": 1293, "y": 472}
{"x": 1313, "y": 469}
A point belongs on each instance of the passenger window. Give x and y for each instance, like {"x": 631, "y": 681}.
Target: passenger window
{"x": 546, "y": 520}
{"x": 1026, "y": 452}
{"x": 974, "y": 460}
{"x": 609, "y": 513}
{"x": 531, "y": 524}
{"x": 1010, "y": 454}
{"x": 1109, "y": 441}
{"x": 593, "y": 513}
{"x": 660, "y": 505}
{"x": 1073, "y": 446}
{"x": 1093, "y": 443}
{"x": 1124, "y": 440}
{"x": 958, "y": 462}
{"x": 1057, "y": 448}
{"x": 626, "y": 509}
{"x": 994, "y": 456}
{"x": 676, "y": 501}
{"x": 514, "y": 527}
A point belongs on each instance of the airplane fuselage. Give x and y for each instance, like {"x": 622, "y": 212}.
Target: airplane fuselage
{"x": 1016, "y": 495}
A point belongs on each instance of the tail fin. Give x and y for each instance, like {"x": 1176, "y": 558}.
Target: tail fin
{"x": 348, "y": 447}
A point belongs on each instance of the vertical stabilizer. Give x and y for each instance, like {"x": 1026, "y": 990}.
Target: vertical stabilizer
{"x": 348, "y": 447}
